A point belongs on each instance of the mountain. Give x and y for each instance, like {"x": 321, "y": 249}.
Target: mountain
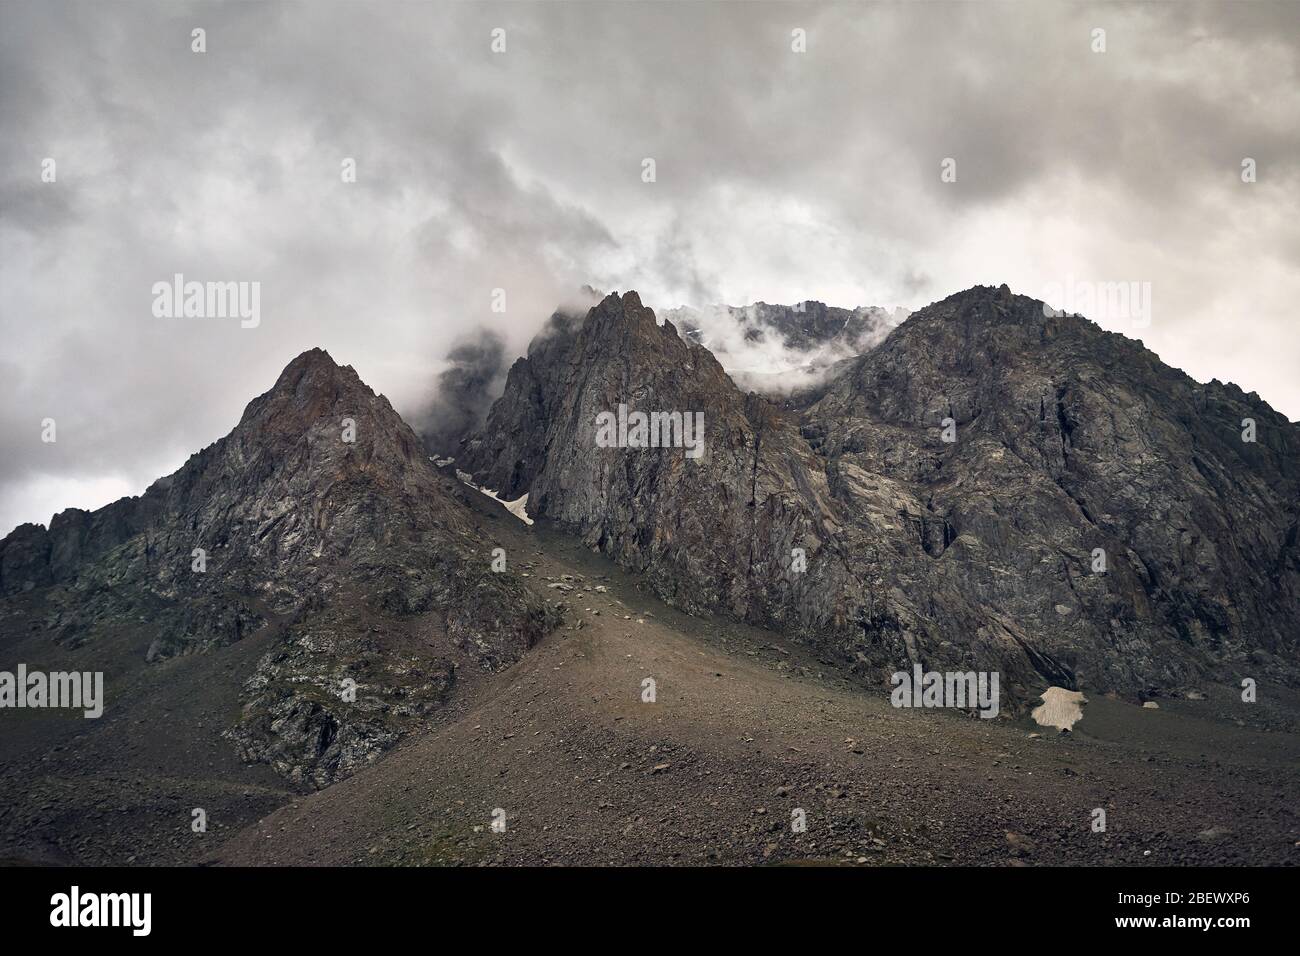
{"x": 346, "y": 602}
{"x": 319, "y": 517}
{"x": 979, "y": 553}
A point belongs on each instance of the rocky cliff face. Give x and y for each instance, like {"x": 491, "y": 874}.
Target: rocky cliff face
{"x": 320, "y": 515}
{"x": 1097, "y": 521}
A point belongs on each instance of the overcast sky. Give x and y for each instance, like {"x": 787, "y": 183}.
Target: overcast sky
{"x": 780, "y": 176}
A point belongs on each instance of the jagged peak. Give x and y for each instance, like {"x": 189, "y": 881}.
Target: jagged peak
{"x": 623, "y": 313}
{"x": 981, "y": 293}
{"x": 314, "y": 354}
{"x": 989, "y": 305}
{"x": 315, "y": 361}
{"x": 627, "y": 302}
{"x": 319, "y": 365}
{"x": 309, "y": 382}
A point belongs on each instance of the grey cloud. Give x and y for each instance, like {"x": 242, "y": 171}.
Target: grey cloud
{"x": 465, "y": 389}
{"x": 781, "y": 177}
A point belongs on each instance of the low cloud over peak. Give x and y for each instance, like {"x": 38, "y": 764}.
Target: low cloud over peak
{"x": 488, "y": 185}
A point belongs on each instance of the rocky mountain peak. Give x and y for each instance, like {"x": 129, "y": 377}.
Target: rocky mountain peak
{"x": 623, "y": 316}
{"x": 318, "y": 517}
{"x": 316, "y": 372}
{"x": 310, "y": 386}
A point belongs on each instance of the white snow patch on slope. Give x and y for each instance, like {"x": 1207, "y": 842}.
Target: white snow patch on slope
{"x": 518, "y": 507}
{"x": 1061, "y": 708}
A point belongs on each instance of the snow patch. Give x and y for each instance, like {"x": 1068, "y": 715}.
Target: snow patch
{"x": 1061, "y": 708}
{"x": 518, "y": 507}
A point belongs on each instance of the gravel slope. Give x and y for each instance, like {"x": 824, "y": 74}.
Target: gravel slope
{"x": 746, "y": 729}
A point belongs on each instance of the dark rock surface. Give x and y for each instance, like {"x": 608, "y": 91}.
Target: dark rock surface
{"x": 974, "y": 554}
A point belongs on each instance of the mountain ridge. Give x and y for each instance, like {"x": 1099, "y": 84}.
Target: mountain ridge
{"x": 853, "y": 476}
{"x": 351, "y": 601}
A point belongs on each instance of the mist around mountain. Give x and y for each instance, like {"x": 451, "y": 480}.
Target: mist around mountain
{"x": 315, "y": 605}
{"x": 778, "y": 349}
